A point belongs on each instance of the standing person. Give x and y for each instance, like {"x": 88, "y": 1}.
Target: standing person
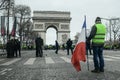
{"x": 15, "y": 47}
{"x": 88, "y": 47}
{"x": 56, "y": 47}
{"x": 69, "y": 46}
{"x": 12, "y": 47}
{"x": 97, "y": 36}
{"x": 63, "y": 46}
{"x": 8, "y": 46}
{"x": 18, "y": 47}
{"x": 39, "y": 44}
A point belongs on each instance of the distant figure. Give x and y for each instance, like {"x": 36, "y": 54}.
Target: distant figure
{"x": 39, "y": 44}
{"x": 15, "y": 45}
{"x": 18, "y": 47}
{"x": 88, "y": 47}
{"x": 88, "y": 44}
{"x": 8, "y": 48}
{"x": 56, "y": 47}
{"x": 69, "y": 46}
{"x": 63, "y": 46}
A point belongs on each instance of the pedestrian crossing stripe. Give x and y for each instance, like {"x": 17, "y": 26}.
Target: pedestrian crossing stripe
{"x": 66, "y": 59}
{"x": 50, "y": 60}
{"x": 30, "y": 61}
{"x": 108, "y": 59}
{"x": 1, "y": 59}
{"x": 12, "y": 61}
{"x": 4, "y": 71}
{"x": 113, "y": 57}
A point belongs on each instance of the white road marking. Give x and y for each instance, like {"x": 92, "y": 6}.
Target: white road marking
{"x": 108, "y": 59}
{"x": 3, "y": 70}
{"x": 3, "y": 73}
{"x": 11, "y": 62}
{"x": 30, "y": 61}
{"x": 66, "y": 59}
{"x": 49, "y": 60}
{"x": 1, "y": 59}
{"x": 112, "y": 57}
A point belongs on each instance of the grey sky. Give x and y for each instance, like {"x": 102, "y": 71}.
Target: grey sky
{"x": 78, "y": 8}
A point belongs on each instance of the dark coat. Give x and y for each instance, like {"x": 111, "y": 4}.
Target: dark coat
{"x": 39, "y": 42}
{"x": 69, "y": 43}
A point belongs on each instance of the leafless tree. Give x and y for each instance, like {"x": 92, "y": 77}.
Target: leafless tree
{"x": 77, "y": 37}
{"x": 23, "y": 12}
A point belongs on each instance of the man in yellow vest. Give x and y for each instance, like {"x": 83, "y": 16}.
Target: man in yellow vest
{"x": 97, "y": 35}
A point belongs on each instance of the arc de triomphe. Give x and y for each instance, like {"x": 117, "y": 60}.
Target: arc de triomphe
{"x": 60, "y": 21}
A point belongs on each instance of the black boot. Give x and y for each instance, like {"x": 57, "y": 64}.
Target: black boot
{"x": 95, "y": 71}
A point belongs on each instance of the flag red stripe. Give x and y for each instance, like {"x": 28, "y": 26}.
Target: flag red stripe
{"x": 78, "y": 55}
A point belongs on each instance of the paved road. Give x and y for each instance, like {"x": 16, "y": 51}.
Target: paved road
{"x": 56, "y": 67}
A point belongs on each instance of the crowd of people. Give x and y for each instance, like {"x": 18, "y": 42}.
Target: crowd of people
{"x": 13, "y": 48}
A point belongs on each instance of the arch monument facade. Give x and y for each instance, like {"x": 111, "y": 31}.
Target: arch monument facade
{"x": 60, "y": 21}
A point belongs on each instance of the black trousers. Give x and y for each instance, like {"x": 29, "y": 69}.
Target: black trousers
{"x": 39, "y": 52}
{"x": 69, "y": 48}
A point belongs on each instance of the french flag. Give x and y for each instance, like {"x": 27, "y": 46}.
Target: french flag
{"x": 3, "y": 31}
{"x": 80, "y": 49}
{"x": 13, "y": 33}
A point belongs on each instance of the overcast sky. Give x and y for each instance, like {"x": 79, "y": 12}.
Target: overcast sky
{"x": 78, "y": 8}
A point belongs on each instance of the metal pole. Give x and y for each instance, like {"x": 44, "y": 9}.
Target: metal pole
{"x": 110, "y": 29}
{"x": 8, "y": 37}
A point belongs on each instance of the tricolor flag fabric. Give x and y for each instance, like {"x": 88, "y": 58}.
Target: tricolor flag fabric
{"x": 13, "y": 33}
{"x": 80, "y": 49}
{"x": 3, "y": 31}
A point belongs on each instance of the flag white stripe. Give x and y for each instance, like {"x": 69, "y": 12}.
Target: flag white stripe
{"x": 82, "y": 36}
{"x": 11, "y": 62}
{"x": 30, "y": 61}
{"x": 49, "y": 60}
{"x": 66, "y": 59}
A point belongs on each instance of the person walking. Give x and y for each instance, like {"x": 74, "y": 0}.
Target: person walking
{"x": 56, "y": 47}
{"x": 39, "y": 44}
{"x": 69, "y": 46}
{"x": 97, "y": 35}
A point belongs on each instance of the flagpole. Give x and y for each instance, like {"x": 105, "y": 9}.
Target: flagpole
{"x": 86, "y": 46}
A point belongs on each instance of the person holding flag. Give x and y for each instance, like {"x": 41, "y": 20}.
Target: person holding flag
{"x": 80, "y": 49}
{"x": 97, "y": 35}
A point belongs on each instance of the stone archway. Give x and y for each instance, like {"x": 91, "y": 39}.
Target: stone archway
{"x": 60, "y": 21}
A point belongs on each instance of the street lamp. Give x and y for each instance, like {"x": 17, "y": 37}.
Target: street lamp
{"x": 110, "y": 23}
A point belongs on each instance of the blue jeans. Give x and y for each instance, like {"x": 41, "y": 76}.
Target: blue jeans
{"x": 98, "y": 57}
